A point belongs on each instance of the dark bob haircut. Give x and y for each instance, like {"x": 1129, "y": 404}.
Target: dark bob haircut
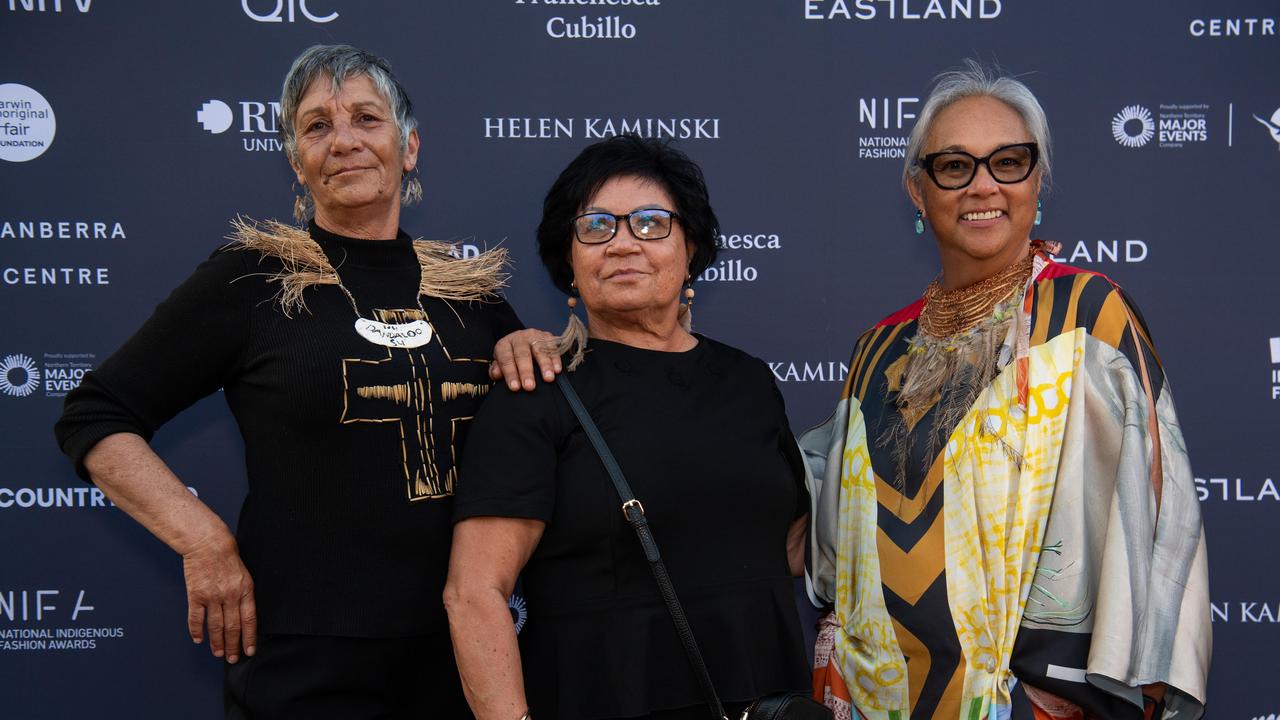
{"x": 623, "y": 155}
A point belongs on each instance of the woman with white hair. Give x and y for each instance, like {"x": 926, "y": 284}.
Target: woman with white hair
{"x": 352, "y": 357}
{"x": 1005, "y": 522}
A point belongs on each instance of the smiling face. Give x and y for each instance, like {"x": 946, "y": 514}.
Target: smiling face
{"x": 349, "y": 153}
{"x": 625, "y": 280}
{"x": 985, "y": 226}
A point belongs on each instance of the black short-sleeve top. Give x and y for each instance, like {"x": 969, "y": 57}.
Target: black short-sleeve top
{"x": 703, "y": 439}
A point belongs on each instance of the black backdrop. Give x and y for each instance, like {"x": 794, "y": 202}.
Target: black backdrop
{"x": 132, "y": 132}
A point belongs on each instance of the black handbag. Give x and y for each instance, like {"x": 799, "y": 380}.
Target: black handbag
{"x": 787, "y": 706}
{"x": 776, "y": 706}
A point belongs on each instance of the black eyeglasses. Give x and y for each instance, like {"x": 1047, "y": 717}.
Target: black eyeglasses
{"x": 595, "y": 228}
{"x": 955, "y": 169}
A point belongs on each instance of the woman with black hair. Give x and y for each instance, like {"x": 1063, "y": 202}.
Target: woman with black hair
{"x": 700, "y": 432}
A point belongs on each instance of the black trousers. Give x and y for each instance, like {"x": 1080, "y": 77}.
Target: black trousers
{"x": 342, "y": 678}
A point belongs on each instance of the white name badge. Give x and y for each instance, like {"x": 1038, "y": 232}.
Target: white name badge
{"x": 400, "y": 335}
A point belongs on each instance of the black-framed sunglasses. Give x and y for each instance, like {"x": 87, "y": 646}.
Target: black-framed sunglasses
{"x": 594, "y": 228}
{"x": 955, "y": 169}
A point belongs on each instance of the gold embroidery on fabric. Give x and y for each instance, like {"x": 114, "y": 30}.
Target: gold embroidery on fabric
{"x": 398, "y": 394}
{"x": 455, "y": 390}
{"x": 414, "y": 404}
{"x": 369, "y": 395}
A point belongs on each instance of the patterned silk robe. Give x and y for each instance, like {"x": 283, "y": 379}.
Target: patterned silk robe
{"x": 1048, "y": 561}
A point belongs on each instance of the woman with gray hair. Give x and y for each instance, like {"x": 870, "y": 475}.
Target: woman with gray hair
{"x": 352, "y": 357}
{"x": 1005, "y": 523}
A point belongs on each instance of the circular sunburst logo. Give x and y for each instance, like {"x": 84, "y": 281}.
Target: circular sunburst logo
{"x": 519, "y": 613}
{"x": 1133, "y": 126}
{"x": 19, "y": 375}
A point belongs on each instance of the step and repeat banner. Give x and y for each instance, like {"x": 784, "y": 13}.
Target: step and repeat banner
{"x": 132, "y": 132}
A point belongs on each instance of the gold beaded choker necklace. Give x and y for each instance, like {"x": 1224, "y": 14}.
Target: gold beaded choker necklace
{"x": 952, "y": 359}
{"x": 951, "y": 312}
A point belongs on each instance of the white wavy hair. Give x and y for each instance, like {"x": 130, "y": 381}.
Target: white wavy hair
{"x": 972, "y": 80}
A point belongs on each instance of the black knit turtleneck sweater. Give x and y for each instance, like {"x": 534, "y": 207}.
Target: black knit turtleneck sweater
{"x": 350, "y": 447}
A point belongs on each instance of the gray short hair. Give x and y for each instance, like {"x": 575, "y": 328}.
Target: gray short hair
{"x": 339, "y": 63}
{"x": 976, "y": 79}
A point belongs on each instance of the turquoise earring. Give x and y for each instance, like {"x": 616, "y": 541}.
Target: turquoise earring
{"x": 1039, "y": 215}
{"x": 920, "y": 222}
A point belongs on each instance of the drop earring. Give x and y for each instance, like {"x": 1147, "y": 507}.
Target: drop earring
{"x": 302, "y": 206}
{"x": 685, "y": 313}
{"x": 1039, "y": 214}
{"x": 574, "y": 336}
{"x": 919, "y": 222}
{"x": 412, "y": 192}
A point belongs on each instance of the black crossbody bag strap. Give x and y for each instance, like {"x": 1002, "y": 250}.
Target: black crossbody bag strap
{"x": 634, "y": 513}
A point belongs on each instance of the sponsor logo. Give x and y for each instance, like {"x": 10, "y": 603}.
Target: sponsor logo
{"x": 550, "y": 128}
{"x": 1272, "y": 716}
{"x": 80, "y": 496}
{"x": 215, "y": 116}
{"x": 462, "y": 251}
{"x": 821, "y": 371}
{"x": 1183, "y": 124}
{"x": 602, "y": 28}
{"x": 27, "y": 123}
{"x": 1241, "y": 611}
{"x": 1133, "y": 126}
{"x": 64, "y": 371}
{"x": 283, "y": 11}
{"x": 19, "y": 376}
{"x": 902, "y": 9}
{"x": 55, "y": 275}
{"x": 519, "y": 612}
{"x": 1100, "y": 251}
{"x": 257, "y": 123}
{"x": 1173, "y": 126}
{"x": 61, "y": 373}
{"x": 733, "y": 269}
{"x": 62, "y": 230}
{"x": 49, "y": 5}
{"x": 583, "y": 27}
{"x": 749, "y": 241}
{"x": 1275, "y": 371}
{"x": 887, "y": 119}
{"x": 50, "y": 619}
{"x": 1272, "y": 125}
{"x": 627, "y": 3}
{"x": 49, "y": 497}
{"x": 1232, "y": 27}
{"x": 1237, "y": 489}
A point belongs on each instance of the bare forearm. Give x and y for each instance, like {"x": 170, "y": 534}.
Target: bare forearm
{"x": 484, "y": 641}
{"x": 130, "y": 473}
{"x": 219, "y": 588}
{"x": 797, "y": 536}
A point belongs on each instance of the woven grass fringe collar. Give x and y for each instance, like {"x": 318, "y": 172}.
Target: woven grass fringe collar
{"x": 305, "y": 264}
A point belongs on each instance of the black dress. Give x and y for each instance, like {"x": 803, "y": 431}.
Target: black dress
{"x": 702, "y": 437}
